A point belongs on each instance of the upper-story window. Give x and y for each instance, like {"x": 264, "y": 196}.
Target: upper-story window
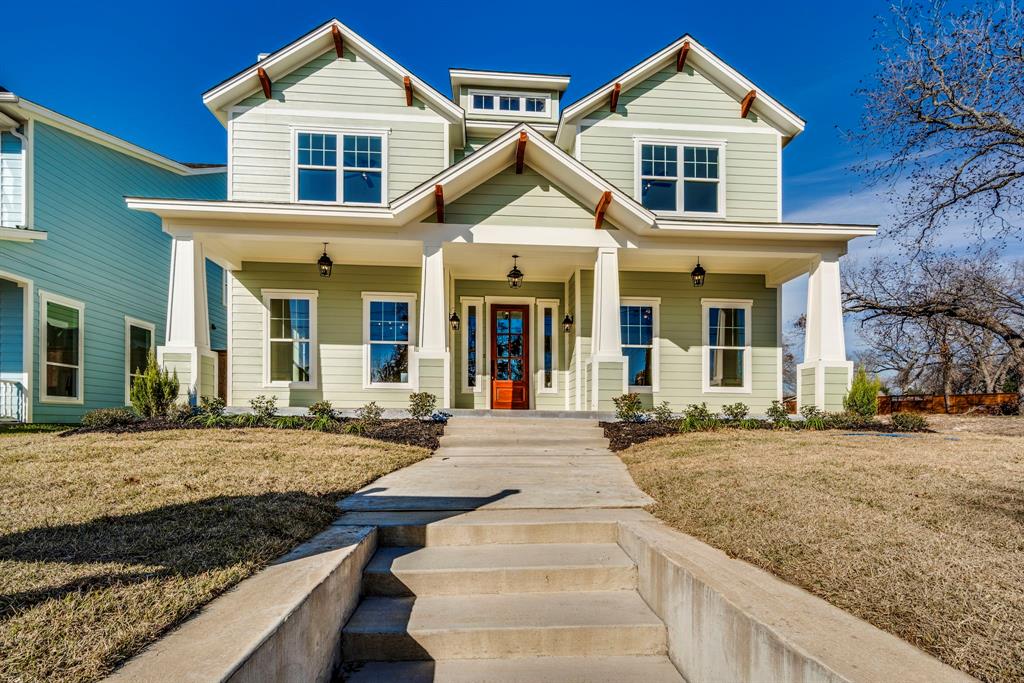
{"x": 509, "y": 103}
{"x": 682, "y": 178}
{"x": 358, "y": 179}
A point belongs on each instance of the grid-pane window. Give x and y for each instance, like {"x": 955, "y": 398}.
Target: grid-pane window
{"x": 363, "y": 161}
{"x": 693, "y": 188}
{"x": 700, "y": 184}
{"x": 63, "y": 351}
{"x": 140, "y": 344}
{"x": 659, "y": 176}
{"x": 549, "y": 347}
{"x": 471, "y": 350}
{"x": 389, "y": 342}
{"x": 317, "y": 157}
{"x": 637, "y": 328}
{"x": 727, "y": 345}
{"x": 290, "y": 340}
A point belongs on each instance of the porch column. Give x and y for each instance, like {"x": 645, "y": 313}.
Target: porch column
{"x": 433, "y": 356}
{"x": 606, "y": 360}
{"x": 824, "y": 376}
{"x": 187, "y": 347}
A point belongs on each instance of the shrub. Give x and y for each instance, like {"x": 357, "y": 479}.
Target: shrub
{"x": 370, "y": 415}
{"x": 264, "y": 409}
{"x": 777, "y": 414}
{"x": 751, "y": 423}
{"x": 862, "y": 398}
{"x": 180, "y": 412}
{"x": 697, "y": 417}
{"x": 663, "y": 412}
{"x": 353, "y": 427}
{"x": 909, "y": 422}
{"x": 155, "y": 390}
{"x": 848, "y": 420}
{"x": 212, "y": 405}
{"x": 109, "y": 418}
{"x": 629, "y": 408}
{"x": 421, "y": 405}
{"x": 287, "y": 422}
{"x": 322, "y": 409}
{"x": 813, "y": 418}
{"x": 736, "y": 411}
{"x": 210, "y": 413}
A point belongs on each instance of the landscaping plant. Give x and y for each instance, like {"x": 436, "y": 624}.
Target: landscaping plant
{"x": 264, "y": 410}
{"x": 370, "y": 415}
{"x": 697, "y": 418}
{"x": 813, "y": 418}
{"x": 778, "y": 414}
{"x": 181, "y": 412}
{"x": 629, "y": 408}
{"x": 908, "y": 422}
{"x": 155, "y": 390}
{"x": 421, "y": 405}
{"x": 663, "y": 412}
{"x": 736, "y": 411}
{"x": 323, "y": 418}
{"x": 287, "y": 422}
{"x": 862, "y": 398}
{"x": 109, "y": 418}
{"x": 210, "y": 414}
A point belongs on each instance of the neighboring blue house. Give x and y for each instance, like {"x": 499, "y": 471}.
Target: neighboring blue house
{"x": 83, "y": 280}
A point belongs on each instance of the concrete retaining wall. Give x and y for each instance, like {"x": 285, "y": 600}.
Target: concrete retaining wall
{"x": 282, "y": 624}
{"x": 730, "y": 621}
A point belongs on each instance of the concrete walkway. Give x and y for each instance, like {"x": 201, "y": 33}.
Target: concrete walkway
{"x": 498, "y": 561}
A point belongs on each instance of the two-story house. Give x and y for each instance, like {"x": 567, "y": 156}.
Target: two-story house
{"x": 83, "y": 285}
{"x": 495, "y": 247}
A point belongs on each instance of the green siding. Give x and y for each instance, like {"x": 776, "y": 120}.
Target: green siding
{"x": 339, "y": 328}
{"x": 836, "y": 384}
{"x": 807, "y": 387}
{"x": 79, "y": 190}
{"x": 207, "y": 376}
{"x": 472, "y": 145}
{"x": 342, "y": 89}
{"x": 181, "y": 365}
{"x": 609, "y": 384}
{"x": 432, "y": 377}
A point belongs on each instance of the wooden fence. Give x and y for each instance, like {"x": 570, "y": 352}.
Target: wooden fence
{"x": 935, "y": 403}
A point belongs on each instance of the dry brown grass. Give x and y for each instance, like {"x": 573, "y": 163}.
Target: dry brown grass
{"x": 921, "y": 536}
{"x": 107, "y": 541}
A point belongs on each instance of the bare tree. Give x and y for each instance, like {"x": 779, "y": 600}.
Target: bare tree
{"x": 943, "y": 301}
{"x": 947, "y": 108}
{"x": 792, "y": 351}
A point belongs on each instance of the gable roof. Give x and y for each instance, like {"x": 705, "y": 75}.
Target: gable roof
{"x": 708, "y": 64}
{"x": 299, "y": 52}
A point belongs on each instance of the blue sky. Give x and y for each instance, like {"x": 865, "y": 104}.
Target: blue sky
{"x": 138, "y": 70}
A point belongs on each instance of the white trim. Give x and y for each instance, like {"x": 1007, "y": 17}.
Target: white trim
{"x": 339, "y": 168}
{"x": 778, "y": 180}
{"x": 778, "y": 343}
{"x": 345, "y": 115}
{"x": 465, "y": 77}
{"x": 21, "y": 234}
{"x": 46, "y": 298}
{"x": 231, "y": 157}
{"x": 682, "y": 127}
{"x": 412, "y": 356}
{"x": 747, "y": 306}
{"x": 27, "y": 335}
{"x": 556, "y": 334}
{"x": 578, "y": 341}
{"x": 309, "y": 295}
{"x": 516, "y": 114}
{"x": 527, "y": 301}
{"x": 655, "y": 304}
{"x": 230, "y": 336}
{"x": 129, "y": 323}
{"x": 680, "y": 144}
{"x": 466, "y": 302}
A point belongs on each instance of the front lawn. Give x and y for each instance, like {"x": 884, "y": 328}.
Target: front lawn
{"x": 106, "y": 541}
{"x": 923, "y": 535}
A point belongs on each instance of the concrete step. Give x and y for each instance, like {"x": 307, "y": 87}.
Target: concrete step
{"x": 602, "y": 623}
{"x": 582, "y": 427}
{"x": 587, "y": 525}
{"x": 509, "y": 443}
{"x": 522, "y": 670}
{"x": 524, "y": 568}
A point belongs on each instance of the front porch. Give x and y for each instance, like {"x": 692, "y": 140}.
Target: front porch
{"x": 15, "y": 349}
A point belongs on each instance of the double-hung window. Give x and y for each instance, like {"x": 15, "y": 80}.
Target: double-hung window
{"x": 390, "y": 327}
{"x": 356, "y": 176}
{"x": 139, "y": 342}
{"x": 63, "y": 348}
{"x": 290, "y": 324}
{"x": 727, "y": 345}
{"x": 638, "y": 324}
{"x": 682, "y": 178}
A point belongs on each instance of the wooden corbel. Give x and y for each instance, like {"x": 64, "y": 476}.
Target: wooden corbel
{"x": 439, "y": 202}
{"x": 747, "y": 103}
{"x": 264, "y": 81}
{"x": 520, "y": 152}
{"x": 681, "y": 57}
{"x": 614, "y": 101}
{"x": 339, "y": 43}
{"x": 408, "y": 91}
{"x": 602, "y": 207}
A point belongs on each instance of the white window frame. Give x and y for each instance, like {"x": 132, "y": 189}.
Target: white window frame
{"x": 556, "y": 324}
{"x": 497, "y": 94}
{"x": 129, "y": 323}
{"x": 339, "y": 168}
{"x": 404, "y": 297}
{"x": 46, "y": 298}
{"x": 655, "y": 304}
{"x": 747, "y": 306}
{"x": 468, "y": 301}
{"x": 680, "y": 143}
{"x": 314, "y": 351}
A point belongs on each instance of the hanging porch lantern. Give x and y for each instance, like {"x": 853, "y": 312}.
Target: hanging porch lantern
{"x": 515, "y": 276}
{"x": 324, "y": 264}
{"x": 697, "y": 275}
{"x": 454, "y": 321}
{"x": 567, "y": 323}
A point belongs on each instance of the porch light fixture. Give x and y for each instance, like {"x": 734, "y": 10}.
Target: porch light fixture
{"x": 324, "y": 264}
{"x": 454, "y": 321}
{"x": 515, "y": 276}
{"x": 697, "y": 275}
{"x": 567, "y": 323}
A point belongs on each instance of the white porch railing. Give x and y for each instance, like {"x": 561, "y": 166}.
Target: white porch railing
{"x": 12, "y": 401}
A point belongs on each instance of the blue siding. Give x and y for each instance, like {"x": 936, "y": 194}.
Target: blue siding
{"x": 217, "y": 306}
{"x": 98, "y": 252}
{"x": 11, "y": 350}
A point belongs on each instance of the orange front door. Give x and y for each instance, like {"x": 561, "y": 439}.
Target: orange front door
{"x": 510, "y": 357}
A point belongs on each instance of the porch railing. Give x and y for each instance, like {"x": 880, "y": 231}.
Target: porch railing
{"x": 12, "y": 401}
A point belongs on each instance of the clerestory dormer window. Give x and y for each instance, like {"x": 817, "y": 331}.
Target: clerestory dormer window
{"x": 510, "y": 103}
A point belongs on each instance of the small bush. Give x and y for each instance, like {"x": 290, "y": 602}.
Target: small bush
{"x": 697, "y": 418}
{"x": 663, "y": 412}
{"x": 181, "y": 412}
{"x": 287, "y": 422}
{"x": 421, "y": 405}
{"x": 848, "y": 420}
{"x": 370, "y": 415}
{"x": 354, "y": 427}
{"x": 629, "y": 408}
{"x": 211, "y": 413}
{"x": 109, "y": 418}
{"x": 751, "y": 423}
{"x": 322, "y": 409}
{"x": 264, "y": 409}
{"x": 813, "y": 418}
{"x": 908, "y": 422}
{"x": 736, "y": 411}
{"x": 778, "y": 415}
{"x": 248, "y": 420}
{"x": 212, "y": 405}
{"x": 322, "y": 423}
{"x": 862, "y": 398}
{"x": 155, "y": 390}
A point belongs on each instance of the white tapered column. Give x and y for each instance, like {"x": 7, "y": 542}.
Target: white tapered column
{"x": 606, "y": 360}
{"x": 188, "y": 325}
{"x": 823, "y": 377}
{"x": 433, "y": 358}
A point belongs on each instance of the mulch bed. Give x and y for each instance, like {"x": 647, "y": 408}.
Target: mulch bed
{"x": 622, "y": 435}
{"x": 402, "y": 431}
